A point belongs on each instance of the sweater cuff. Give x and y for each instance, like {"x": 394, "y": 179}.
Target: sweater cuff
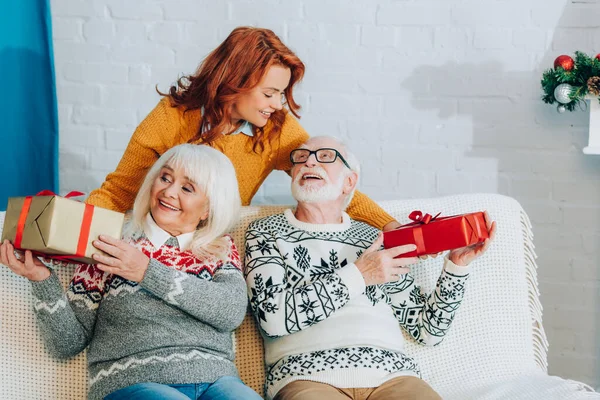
{"x": 49, "y": 290}
{"x": 383, "y": 220}
{"x": 353, "y": 279}
{"x": 454, "y": 269}
{"x": 157, "y": 279}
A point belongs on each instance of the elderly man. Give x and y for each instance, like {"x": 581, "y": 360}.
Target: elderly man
{"x": 330, "y": 302}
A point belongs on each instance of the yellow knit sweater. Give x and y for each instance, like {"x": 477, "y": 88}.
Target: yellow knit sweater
{"x": 168, "y": 126}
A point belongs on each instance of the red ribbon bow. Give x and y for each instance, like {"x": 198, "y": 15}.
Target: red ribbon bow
{"x": 417, "y": 216}
{"x": 85, "y": 225}
{"x": 72, "y": 193}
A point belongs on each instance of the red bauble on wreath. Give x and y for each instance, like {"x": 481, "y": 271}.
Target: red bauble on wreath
{"x": 598, "y": 56}
{"x": 565, "y": 62}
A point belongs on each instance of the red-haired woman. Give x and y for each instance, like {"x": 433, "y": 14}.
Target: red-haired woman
{"x": 240, "y": 102}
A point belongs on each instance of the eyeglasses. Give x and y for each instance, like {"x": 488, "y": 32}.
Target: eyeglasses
{"x": 325, "y": 155}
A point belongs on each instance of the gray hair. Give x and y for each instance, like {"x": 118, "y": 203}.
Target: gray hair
{"x": 215, "y": 176}
{"x": 350, "y": 158}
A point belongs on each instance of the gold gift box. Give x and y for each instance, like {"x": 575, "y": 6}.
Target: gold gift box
{"x": 53, "y": 226}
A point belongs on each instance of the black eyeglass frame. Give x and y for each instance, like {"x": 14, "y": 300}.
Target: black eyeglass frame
{"x": 315, "y": 152}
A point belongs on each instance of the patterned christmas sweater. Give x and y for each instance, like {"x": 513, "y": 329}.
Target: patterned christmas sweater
{"x": 319, "y": 320}
{"x": 174, "y": 327}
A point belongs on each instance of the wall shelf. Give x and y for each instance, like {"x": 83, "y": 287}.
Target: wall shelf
{"x": 591, "y": 150}
{"x": 593, "y": 146}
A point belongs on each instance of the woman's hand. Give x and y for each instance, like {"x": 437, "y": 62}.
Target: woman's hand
{"x": 124, "y": 260}
{"x": 464, "y": 255}
{"x": 390, "y": 226}
{"x": 32, "y": 268}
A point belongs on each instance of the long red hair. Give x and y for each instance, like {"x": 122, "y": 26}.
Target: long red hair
{"x": 230, "y": 71}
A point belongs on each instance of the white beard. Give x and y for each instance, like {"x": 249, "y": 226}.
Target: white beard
{"x": 312, "y": 194}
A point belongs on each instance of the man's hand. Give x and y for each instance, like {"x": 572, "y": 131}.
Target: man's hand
{"x": 124, "y": 260}
{"x": 380, "y": 266}
{"x": 32, "y": 268}
{"x": 464, "y": 255}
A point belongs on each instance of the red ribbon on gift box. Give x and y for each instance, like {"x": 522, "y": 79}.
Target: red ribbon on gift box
{"x": 418, "y": 216}
{"x": 84, "y": 232}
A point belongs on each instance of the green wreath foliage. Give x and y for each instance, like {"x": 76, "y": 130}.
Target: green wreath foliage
{"x": 584, "y": 68}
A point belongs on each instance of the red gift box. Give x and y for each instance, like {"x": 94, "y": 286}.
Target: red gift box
{"x": 433, "y": 235}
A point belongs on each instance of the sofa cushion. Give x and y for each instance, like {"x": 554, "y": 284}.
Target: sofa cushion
{"x": 26, "y": 370}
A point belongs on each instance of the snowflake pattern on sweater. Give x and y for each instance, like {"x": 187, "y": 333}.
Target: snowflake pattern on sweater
{"x": 294, "y": 283}
{"x": 305, "y": 364}
{"x": 90, "y": 285}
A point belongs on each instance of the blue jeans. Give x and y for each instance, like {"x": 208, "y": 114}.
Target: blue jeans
{"x": 224, "y": 388}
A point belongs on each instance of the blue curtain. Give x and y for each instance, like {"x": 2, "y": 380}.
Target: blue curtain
{"x": 28, "y": 112}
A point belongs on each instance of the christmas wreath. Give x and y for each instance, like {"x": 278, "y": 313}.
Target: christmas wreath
{"x": 571, "y": 80}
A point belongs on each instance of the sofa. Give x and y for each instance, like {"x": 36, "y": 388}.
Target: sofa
{"x": 496, "y": 348}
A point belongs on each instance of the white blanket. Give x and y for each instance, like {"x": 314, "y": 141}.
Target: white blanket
{"x": 496, "y": 348}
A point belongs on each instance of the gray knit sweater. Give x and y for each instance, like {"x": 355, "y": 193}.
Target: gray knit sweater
{"x": 174, "y": 327}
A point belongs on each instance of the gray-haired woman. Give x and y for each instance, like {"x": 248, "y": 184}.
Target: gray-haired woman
{"x": 156, "y": 314}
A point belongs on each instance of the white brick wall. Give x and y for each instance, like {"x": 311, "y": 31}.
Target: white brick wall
{"x": 436, "y": 97}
